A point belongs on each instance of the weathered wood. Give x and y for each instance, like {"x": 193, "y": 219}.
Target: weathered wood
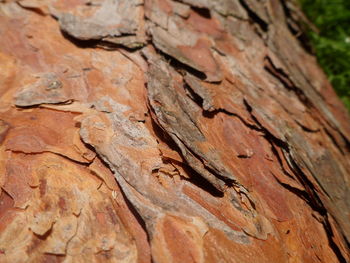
{"x": 167, "y": 131}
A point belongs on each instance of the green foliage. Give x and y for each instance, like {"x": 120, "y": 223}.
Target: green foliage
{"x": 332, "y": 43}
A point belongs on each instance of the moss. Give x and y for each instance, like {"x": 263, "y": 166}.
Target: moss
{"x": 332, "y": 42}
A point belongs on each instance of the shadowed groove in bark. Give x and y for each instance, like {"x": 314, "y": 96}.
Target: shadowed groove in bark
{"x": 134, "y": 212}
{"x": 299, "y": 33}
{"x": 288, "y": 84}
{"x": 323, "y": 212}
{"x": 195, "y": 177}
{"x": 311, "y": 198}
{"x": 211, "y": 114}
{"x": 204, "y": 12}
{"x": 314, "y": 200}
{"x": 81, "y": 43}
{"x": 197, "y": 180}
{"x": 183, "y": 215}
{"x": 335, "y": 141}
{"x": 255, "y": 18}
{"x": 309, "y": 195}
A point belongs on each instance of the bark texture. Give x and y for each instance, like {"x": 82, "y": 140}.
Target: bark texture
{"x": 168, "y": 131}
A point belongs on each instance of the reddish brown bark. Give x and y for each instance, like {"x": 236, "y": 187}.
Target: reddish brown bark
{"x": 167, "y": 131}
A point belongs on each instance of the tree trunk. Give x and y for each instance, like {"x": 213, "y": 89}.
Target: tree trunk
{"x": 168, "y": 131}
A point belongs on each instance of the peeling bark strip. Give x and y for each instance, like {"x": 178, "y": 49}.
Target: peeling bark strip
{"x": 167, "y": 131}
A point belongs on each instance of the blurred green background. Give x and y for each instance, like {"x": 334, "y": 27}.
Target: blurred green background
{"x": 332, "y": 42}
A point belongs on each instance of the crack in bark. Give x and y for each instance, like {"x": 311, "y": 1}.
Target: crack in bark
{"x": 300, "y": 31}
{"x": 255, "y": 18}
{"x": 280, "y": 75}
{"x": 179, "y": 111}
{"x": 310, "y": 195}
{"x": 86, "y": 164}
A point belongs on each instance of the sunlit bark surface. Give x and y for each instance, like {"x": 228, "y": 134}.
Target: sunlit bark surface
{"x": 168, "y": 131}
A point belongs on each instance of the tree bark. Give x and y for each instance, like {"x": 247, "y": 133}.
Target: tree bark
{"x": 168, "y": 131}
